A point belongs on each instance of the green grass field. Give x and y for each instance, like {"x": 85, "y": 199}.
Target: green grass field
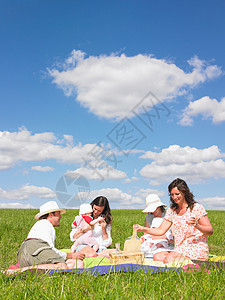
{"x": 15, "y": 225}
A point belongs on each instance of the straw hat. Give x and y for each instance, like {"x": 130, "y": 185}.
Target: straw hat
{"x": 152, "y": 202}
{"x": 48, "y": 207}
{"x": 85, "y": 208}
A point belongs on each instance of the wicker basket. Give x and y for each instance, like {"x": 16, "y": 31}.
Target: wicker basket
{"x": 128, "y": 258}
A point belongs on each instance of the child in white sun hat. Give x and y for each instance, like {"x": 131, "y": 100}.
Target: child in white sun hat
{"x": 156, "y": 211}
{"x": 151, "y": 245}
{"x": 87, "y": 238}
{"x": 154, "y": 208}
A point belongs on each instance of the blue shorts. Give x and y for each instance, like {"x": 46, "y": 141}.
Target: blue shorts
{"x": 80, "y": 247}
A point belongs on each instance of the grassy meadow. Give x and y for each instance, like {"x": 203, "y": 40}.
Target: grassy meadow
{"x": 16, "y": 223}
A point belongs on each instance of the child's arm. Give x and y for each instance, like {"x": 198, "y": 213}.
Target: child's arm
{"x": 99, "y": 219}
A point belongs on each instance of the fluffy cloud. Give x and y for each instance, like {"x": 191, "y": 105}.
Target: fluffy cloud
{"x": 116, "y": 195}
{"x": 26, "y": 192}
{"x": 143, "y": 193}
{"x": 42, "y": 169}
{"x": 16, "y": 205}
{"x": 101, "y": 174}
{"x": 213, "y": 203}
{"x": 117, "y": 198}
{"x": 25, "y": 146}
{"x": 175, "y": 154}
{"x": 208, "y": 108}
{"x": 111, "y": 86}
{"x": 194, "y": 165}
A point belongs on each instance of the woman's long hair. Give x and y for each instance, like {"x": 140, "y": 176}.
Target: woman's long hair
{"x": 182, "y": 186}
{"x": 103, "y": 201}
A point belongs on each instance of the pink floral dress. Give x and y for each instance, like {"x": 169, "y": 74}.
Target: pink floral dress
{"x": 189, "y": 241}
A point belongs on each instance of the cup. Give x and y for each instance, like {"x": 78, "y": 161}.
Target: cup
{"x": 188, "y": 221}
{"x": 117, "y": 248}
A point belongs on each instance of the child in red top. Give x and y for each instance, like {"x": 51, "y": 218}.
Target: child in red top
{"x": 87, "y": 238}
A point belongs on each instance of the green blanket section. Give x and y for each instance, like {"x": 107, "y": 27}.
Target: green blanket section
{"x": 92, "y": 261}
{"x": 96, "y": 261}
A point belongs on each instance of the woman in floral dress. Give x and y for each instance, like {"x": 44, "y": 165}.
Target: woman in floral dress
{"x": 189, "y": 223}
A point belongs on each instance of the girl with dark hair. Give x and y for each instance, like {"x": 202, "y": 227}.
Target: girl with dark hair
{"x": 190, "y": 225}
{"x": 101, "y": 231}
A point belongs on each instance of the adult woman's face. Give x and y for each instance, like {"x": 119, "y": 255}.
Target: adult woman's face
{"x": 158, "y": 212}
{"x": 177, "y": 196}
{"x": 97, "y": 211}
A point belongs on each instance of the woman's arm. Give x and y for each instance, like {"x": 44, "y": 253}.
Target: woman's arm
{"x": 203, "y": 225}
{"x": 159, "y": 237}
{"x": 106, "y": 239}
{"x": 105, "y": 235}
{"x": 154, "y": 231}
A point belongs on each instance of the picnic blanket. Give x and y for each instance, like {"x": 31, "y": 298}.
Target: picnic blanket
{"x": 101, "y": 265}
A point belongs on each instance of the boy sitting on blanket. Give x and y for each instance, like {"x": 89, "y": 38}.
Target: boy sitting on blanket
{"x": 151, "y": 246}
{"x": 87, "y": 238}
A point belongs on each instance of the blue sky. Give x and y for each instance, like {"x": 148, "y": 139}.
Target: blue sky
{"x": 111, "y": 98}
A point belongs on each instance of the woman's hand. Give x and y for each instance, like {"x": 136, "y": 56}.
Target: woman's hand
{"x": 101, "y": 219}
{"x": 203, "y": 224}
{"x": 138, "y": 227}
{"x": 192, "y": 221}
{"x": 103, "y": 223}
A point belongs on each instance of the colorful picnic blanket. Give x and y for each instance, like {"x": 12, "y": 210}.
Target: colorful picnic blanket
{"x": 101, "y": 265}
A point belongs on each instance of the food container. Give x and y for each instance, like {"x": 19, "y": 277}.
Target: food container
{"x": 127, "y": 258}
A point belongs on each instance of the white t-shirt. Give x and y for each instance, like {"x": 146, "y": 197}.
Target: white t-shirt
{"x": 150, "y": 217}
{"x": 45, "y": 231}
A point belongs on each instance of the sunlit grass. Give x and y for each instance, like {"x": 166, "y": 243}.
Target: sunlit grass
{"x": 15, "y": 225}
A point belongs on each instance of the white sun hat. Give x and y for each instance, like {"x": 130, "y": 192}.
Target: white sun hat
{"x": 48, "y": 207}
{"x": 85, "y": 208}
{"x": 152, "y": 202}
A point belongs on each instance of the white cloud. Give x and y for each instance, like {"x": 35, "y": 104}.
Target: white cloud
{"x": 128, "y": 180}
{"x": 27, "y": 191}
{"x": 182, "y": 155}
{"x": 213, "y": 203}
{"x": 105, "y": 173}
{"x": 194, "y": 165}
{"x": 206, "y": 107}
{"x": 117, "y": 198}
{"x": 25, "y": 146}
{"x": 42, "y": 169}
{"x": 16, "y": 205}
{"x": 143, "y": 193}
{"x": 111, "y": 86}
